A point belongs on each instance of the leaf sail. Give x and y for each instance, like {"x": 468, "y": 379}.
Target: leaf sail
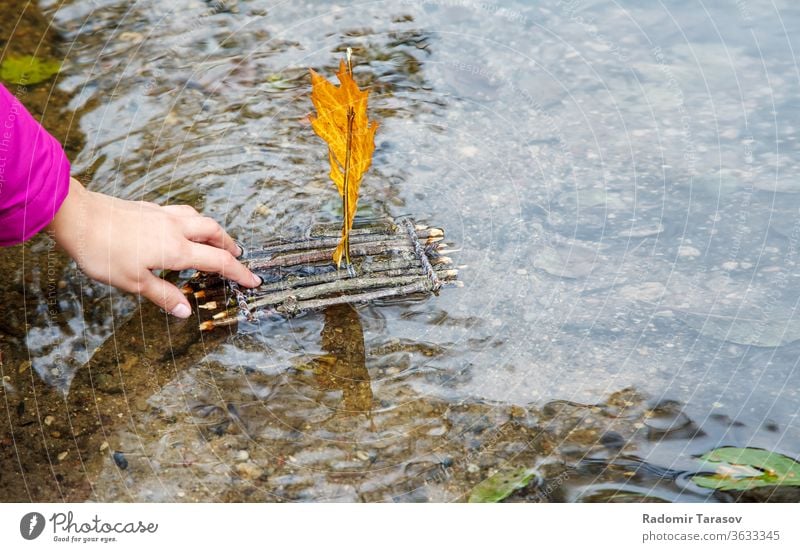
{"x": 342, "y": 121}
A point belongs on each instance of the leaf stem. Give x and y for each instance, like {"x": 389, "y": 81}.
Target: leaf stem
{"x": 351, "y": 115}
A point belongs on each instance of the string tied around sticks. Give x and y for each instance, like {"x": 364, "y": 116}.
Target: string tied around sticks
{"x": 419, "y": 251}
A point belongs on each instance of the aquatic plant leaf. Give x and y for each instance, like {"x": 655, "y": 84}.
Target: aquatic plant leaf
{"x": 342, "y": 121}
{"x": 24, "y": 70}
{"x": 501, "y": 485}
{"x": 740, "y": 469}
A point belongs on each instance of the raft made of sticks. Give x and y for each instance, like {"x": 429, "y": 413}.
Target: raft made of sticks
{"x": 390, "y": 258}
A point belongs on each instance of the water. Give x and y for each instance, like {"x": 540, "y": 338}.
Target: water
{"x": 619, "y": 182}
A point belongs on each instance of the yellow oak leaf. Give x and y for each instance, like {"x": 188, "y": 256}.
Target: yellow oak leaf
{"x": 341, "y": 121}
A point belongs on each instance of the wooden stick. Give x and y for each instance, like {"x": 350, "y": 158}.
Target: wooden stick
{"x": 372, "y": 248}
{"x": 375, "y": 226}
{"x": 349, "y": 284}
{"x": 420, "y": 286}
{"x": 430, "y": 235}
{"x": 400, "y": 265}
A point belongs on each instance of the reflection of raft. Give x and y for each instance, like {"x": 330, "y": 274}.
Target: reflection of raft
{"x": 391, "y": 258}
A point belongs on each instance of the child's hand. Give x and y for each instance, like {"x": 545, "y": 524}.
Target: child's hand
{"x": 120, "y": 242}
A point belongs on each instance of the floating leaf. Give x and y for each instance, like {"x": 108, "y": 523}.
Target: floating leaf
{"x": 501, "y": 485}
{"x": 342, "y": 122}
{"x": 740, "y": 469}
{"x": 24, "y": 70}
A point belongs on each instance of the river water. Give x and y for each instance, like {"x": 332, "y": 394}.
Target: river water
{"x": 618, "y": 183}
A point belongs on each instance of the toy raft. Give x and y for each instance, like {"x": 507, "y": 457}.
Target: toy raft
{"x": 390, "y": 258}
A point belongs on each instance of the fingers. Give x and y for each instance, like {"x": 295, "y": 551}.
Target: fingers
{"x": 212, "y": 259}
{"x": 165, "y": 295}
{"x": 207, "y": 230}
{"x": 203, "y": 229}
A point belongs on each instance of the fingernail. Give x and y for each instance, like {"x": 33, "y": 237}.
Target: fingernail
{"x": 257, "y": 280}
{"x": 181, "y": 310}
{"x": 241, "y": 249}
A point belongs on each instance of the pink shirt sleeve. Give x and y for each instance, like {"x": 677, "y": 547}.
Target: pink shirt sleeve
{"x": 34, "y": 173}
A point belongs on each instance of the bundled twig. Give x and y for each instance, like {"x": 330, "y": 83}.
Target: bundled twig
{"x": 389, "y": 259}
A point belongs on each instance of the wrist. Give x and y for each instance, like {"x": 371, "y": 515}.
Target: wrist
{"x": 66, "y": 225}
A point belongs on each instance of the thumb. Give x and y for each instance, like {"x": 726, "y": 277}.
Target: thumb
{"x": 164, "y": 295}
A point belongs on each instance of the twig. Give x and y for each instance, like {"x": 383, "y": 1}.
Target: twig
{"x": 293, "y": 308}
{"x": 430, "y": 235}
{"x": 372, "y": 248}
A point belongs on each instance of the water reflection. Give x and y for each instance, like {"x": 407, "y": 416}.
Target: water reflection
{"x": 345, "y": 366}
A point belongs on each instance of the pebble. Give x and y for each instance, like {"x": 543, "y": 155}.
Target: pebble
{"x": 642, "y": 232}
{"x": 729, "y": 265}
{"x": 646, "y": 291}
{"x": 362, "y": 455}
{"x": 473, "y": 468}
{"x": 24, "y": 366}
{"x": 62, "y": 455}
{"x": 469, "y": 151}
{"x": 120, "y": 460}
{"x": 48, "y": 420}
{"x": 437, "y": 431}
{"x": 141, "y": 404}
{"x": 248, "y": 470}
{"x": 688, "y": 251}
{"x": 103, "y": 446}
{"x": 242, "y": 456}
{"x": 130, "y": 36}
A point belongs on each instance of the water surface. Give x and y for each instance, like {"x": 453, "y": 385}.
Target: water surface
{"x": 619, "y": 182}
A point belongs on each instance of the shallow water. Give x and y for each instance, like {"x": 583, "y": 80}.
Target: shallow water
{"x": 620, "y": 185}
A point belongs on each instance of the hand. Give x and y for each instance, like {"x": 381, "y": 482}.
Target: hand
{"x": 121, "y": 242}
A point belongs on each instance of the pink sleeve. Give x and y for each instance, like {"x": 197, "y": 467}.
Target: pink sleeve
{"x": 34, "y": 173}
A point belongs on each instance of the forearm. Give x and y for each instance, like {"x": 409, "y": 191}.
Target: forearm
{"x": 34, "y": 173}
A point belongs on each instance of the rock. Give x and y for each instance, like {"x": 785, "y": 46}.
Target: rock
{"x": 437, "y": 431}
{"x": 642, "y": 231}
{"x": 242, "y": 456}
{"x": 48, "y": 420}
{"x": 108, "y": 384}
{"x": 689, "y": 252}
{"x": 248, "y": 470}
{"x": 62, "y": 455}
{"x": 566, "y": 260}
{"x": 362, "y": 455}
{"x": 120, "y": 460}
{"x": 646, "y": 291}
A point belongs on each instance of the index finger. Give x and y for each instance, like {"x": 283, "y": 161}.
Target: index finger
{"x": 212, "y": 259}
{"x": 207, "y": 230}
